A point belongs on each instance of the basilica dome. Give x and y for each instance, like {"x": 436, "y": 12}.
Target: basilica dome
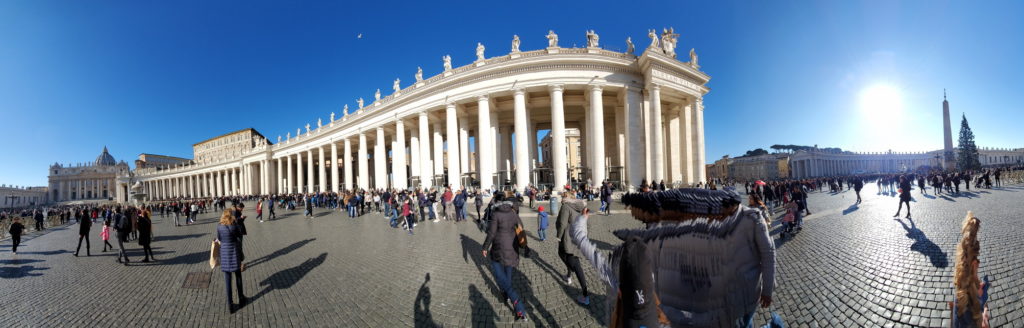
{"x": 105, "y": 159}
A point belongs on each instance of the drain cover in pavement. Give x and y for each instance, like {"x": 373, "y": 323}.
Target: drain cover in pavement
{"x": 197, "y": 280}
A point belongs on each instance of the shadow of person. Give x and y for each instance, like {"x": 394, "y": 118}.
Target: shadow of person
{"x": 482, "y": 314}
{"x": 22, "y": 271}
{"x": 924, "y": 245}
{"x": 277, "y": 253}
{"x": 929, "y": 196}
{"x": 190, "y": 258}
{"x": 287, "y": 278}
{"x": 421, "y": 308}
{"x": 177, "y": 237}
{"x": 851, "y": 209}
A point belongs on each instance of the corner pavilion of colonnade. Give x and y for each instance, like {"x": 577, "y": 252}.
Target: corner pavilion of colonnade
{"x": 640, "y": 118}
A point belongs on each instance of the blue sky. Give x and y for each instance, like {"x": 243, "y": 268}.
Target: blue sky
{"x": 156, "y": 77}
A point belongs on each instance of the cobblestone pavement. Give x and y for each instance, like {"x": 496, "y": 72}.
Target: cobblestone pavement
{"x": 851, "y": 266}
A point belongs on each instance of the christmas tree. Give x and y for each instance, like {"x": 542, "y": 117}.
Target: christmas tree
{"x": 967, "y": 158}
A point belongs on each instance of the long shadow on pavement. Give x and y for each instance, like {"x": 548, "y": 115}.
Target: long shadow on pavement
{"x": 277, "y": 253}
{"x": 22, "y": 271}
{"x": 924, "y": 245}
{"x": 178, "y": 237}
{"x": 287, "y": 278}
{"x": 421, "y": 307}
{"x": 851, "y": 209}
{"x": 482, "y": 312}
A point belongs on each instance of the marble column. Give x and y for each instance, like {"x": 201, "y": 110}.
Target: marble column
{"x": 279, "y": 185}
{"x": 452, "y": 137}
{"x": 657, "y": 157}
{"x": 415, "y": 165}
{"x": 463, "y": 145}
{"x": 323, "y": 169}
{"x": 505, "y": 153}
{"x": 398, "y": 161}
{"x": 348, "y": 164}
{"x": 558, "y": 147}
{"x": 364, "y": 170}
{"x": 675, "y": 164}
{"x": 597, "y": 117}
{"x": 380, "y": 161}
{"x": 634, "y": 138}
{"x": 484, "y": 142}
{"x": 300, "y": 174}
{"x": 700, "y": 156}
{"x": 310, "y": 182}
{"x": 438, "y": 153}
{"x": 522, "y": 146}
{"x": 334, "y": 167}
{"x": 290, "y": 177}
{"x": 426, "y": 169}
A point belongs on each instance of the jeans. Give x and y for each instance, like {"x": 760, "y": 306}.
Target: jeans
{"x": 238, "y": 284}
{"x": 87, "y": 246}
{"x": 503, "y": 275}
{"x": 431, "y": 211}
{"x": 603, "y": 206}
{"x": 461, "y": 213}
{"x": 409, "y": 222}
{"x": 176, "y": 218}
{"x": 542, "y": 233}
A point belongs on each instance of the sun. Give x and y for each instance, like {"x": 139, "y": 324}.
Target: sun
{"x": 881, "y": 100}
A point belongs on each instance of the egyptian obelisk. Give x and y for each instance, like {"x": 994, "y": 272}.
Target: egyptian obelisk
{"x": 949, "y": 162}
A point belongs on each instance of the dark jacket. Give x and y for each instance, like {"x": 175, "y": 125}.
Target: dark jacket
{"x": 123, "y": 225}
{"x": 240, "y": 222}
{"x": 16, "y": 229}
{"x": 501, "y": 234}
{"x": 567, "y": 213}
{"x": 83, "y": 226}
{"x": 145, "y": 231}
{"x": 231, "y": 256}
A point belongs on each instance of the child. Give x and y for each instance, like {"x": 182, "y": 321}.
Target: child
{"x": 16, "y": 229}
{"x": 789, "y": 220}
{"x": 542, "y": 224}
{"x": 105, "y": 235}
{"x": 259, "y": 210}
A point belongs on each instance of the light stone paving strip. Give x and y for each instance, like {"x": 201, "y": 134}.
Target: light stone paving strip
{"x": 851, "y": 266}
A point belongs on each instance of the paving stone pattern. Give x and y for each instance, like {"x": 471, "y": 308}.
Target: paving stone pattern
{"x": 851, "y": 266}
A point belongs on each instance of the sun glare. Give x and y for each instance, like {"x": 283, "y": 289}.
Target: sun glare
{"x": 881, "y": 100}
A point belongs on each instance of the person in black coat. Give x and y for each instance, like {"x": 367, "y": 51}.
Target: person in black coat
{"x": 38, "y": 216}
{"x": 229, "y": 235}
{"x": 16, "y": 229}
{"x": 904, "y": 196}
{"x": 124, "y": 226}
{"x": 84, "y": 224}
{"x": 146, "y": 235}
{"x": 501, "y": 240}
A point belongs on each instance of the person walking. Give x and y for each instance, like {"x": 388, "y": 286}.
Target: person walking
{"x": 16, "y": 229}
{"x": 858, "y": 184}
{"x": 270, "y": 207}
{"x": 231, "y": 256}
{"x": 84, "y": 225}
{"x": 570, "y": 209}
{"x": 500, "y": 248}
{"x": 542, "y": 223}
{"x": 904, "y": 196}
{"x": 38, "y": 216}
{"x": 478, "y": 200}
{"x": 259, "y": 210}
{"x": 146, "y": 235}
{"x": 460, "y": 205}
{"x": 124, "y": 226}
{"x": 194, "y": 211}
{"x": 105, "y": 235}
{"x": 606, "y": 198}
{"x": 408, "y": 214}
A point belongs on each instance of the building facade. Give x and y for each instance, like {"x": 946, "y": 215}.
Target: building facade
{"x": 771, "y": 166}
{"x": 647, "y": 108}
{"x": 573, "y": 152}
{"x": 85, "y": 181}
{"x": 153, "y": 160}
{"x": 17, "y": 196}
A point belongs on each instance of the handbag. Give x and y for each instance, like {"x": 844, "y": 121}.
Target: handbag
{"x": 214, "y": 254}
{"x": 520, "y": 243}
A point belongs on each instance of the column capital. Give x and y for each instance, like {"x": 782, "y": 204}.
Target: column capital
{"x": 449, "y": 104}
{"x": 483, "y": 97}
{"x": 422, "y": 113}
{"x": 519, "y": 91}
{"x": 654, "y": 86}
{"x": 595, "y": 87}
{"x": 556, "y": 87}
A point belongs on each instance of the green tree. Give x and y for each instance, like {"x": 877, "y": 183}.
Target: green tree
{"x": 967, "y": 158}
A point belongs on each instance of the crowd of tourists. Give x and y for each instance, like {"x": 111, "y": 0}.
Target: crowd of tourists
{"x": 709, "y": 220}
